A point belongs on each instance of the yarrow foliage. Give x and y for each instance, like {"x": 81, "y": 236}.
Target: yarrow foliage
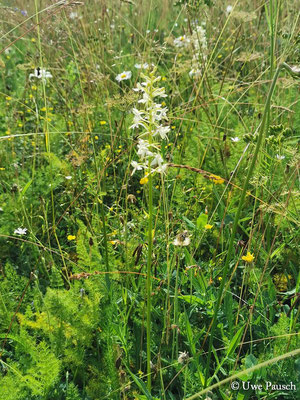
{"x": 151, "y": 119}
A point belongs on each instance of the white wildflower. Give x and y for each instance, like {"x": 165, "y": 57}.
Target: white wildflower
{"x": 20, "y": 231}
{"x": 182, "y": 239}
{"x": 183, "y": 357}
{"x": 68, "y": 177}
{"x": 234, "y": 139}
{"x": 162, "y": 131}
{"x": 229, "y": 9}
{"x": 136, "y": 167}
{"x": 149, "y": 119}
{"x": 138, "y": 119}
{"x": 199, "y": 42}
{"x": 279, "y": 157}
{"x": 73, "y": 15}
{"x": 157, "y": 160}
{"x": 143, "y": 149}
{"x": 125, "y": 75}
{"x": 194, "y": 73}
{"x": 142, "y": 66}
{"x": 41, "y": 73}
{"x": 181, "y": 41}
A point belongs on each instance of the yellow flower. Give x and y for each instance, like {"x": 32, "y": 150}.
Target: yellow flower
{"x": 248, "y": 258}
{"x": 112, "y": 241}
{"x": 43, "y": 109}
{"x": 216, "y": 179}
{"x": 96, "y": 137}
{"x": 8, "y": 98}
{"x": 144, "y": 180}
{"x": 33, "y": 40}
{"x": 207, "y": 226}
{"x": 71, "y": 237}
{"x": 102, "y": 122}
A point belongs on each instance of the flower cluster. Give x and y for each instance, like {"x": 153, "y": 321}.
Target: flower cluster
{"x": 152, "y": 121}
{"x": 199, "y": 43}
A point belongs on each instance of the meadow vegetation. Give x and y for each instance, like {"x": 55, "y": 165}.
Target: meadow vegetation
{"x": 149, "y": 199}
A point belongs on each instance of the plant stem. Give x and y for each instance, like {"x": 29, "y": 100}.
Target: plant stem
{"x": 237, "y": 215}
{"x": 149, "y": 285}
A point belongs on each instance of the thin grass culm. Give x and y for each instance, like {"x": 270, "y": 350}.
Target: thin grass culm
{"x": 152, "y": 121}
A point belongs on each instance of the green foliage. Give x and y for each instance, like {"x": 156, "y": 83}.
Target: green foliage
{"x": 73, "y": 298}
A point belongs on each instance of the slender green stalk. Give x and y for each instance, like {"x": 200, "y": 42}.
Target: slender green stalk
{"x": 149, "y": 283}
{"x": 240, "y": 206}
{"x": 107, "y": 279}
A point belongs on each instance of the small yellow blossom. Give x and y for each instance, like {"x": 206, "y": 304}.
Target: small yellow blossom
{"x": 33, "y": 40}
{"x": 144, "y": 180}
{"x": 163, "y": 78}
{"x": 2, "y": 168}
{"x": 71, "y": 237}
{"x": 8, "y": 98}
{"x": 219, "y": 278}
{"x": 248, "y": 258}
{"x": 140, "y": 373}
{"x": 216, "y": 179}
{"x": 208, "y": 226}
{"x": 96, "y": 137}
{"x": 102, "y": 122}
{"x": 112, "y": 241}
{"x": 43, "y": 109}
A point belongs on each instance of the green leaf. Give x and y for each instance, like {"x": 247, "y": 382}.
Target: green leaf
{"x": 140, "y": 384}
{"x": 202, "y": 221}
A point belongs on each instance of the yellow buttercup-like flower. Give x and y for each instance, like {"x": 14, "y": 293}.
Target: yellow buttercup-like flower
{"x": 71, "y": 237}
{"x": 248, "y": 258}
{"x": 144, "y": 180}
{"x": 208, "y": 226}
